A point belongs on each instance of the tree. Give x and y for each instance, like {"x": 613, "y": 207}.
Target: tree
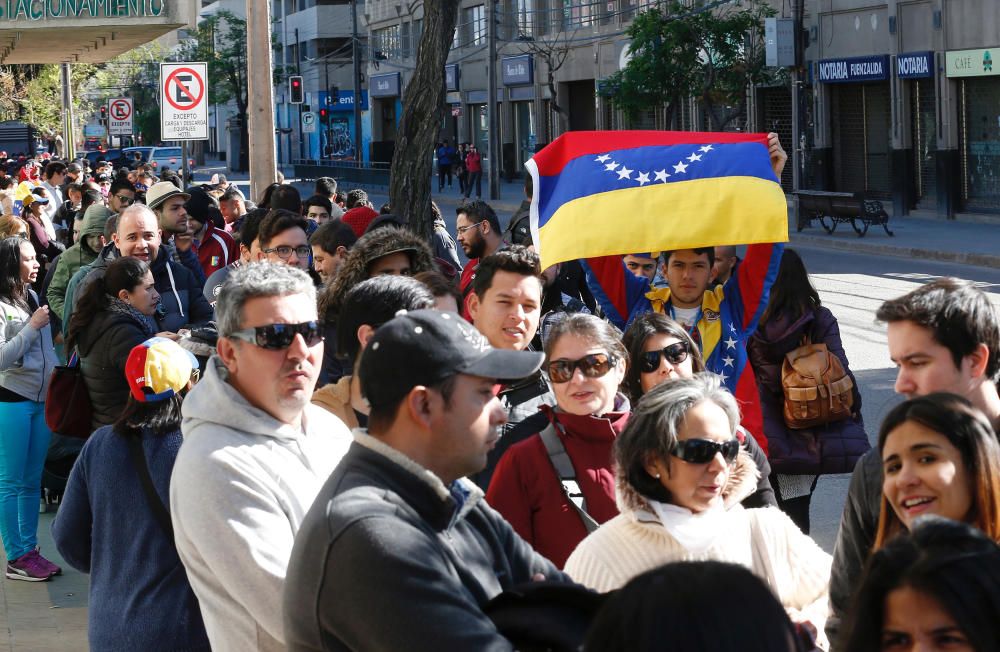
{"x": 135, "y": 74}
{"x": 221, "y": 40}
{"x": 423, "y": 99}
{"x": 677, "y": 52}
{"x": 552, "y": 50}
{"x": 40, "y": 98}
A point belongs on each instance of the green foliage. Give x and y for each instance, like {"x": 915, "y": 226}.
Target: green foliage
{"x": 679, "y": 52}
{"x": 40, "y": 98}
{"x": 221, "y": 40}
{"x": 135, "y": 74}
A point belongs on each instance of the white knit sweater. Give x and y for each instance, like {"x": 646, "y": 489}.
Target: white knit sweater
{"x": 796, "y": 569}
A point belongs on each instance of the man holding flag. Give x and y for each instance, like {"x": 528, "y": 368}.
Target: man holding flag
{"x": 681, "y": 193}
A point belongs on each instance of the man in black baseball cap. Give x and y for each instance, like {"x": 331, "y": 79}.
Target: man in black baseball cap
{"x": 397, "y": 526}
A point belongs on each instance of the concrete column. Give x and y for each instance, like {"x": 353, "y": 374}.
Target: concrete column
{"x": 260, "y": 97}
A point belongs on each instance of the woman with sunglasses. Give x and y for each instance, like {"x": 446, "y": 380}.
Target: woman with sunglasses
{"x": 114, "y": 314}
{"x": 681, "y": 475}
{"x": 939, "y": 456}
{"x": 155, "y": 609}
{"x": 585, "y": 361}
{"x": 798, "y": 457}
{"x": 659, "y": 349}
{"x": 27, "y": 358}
{"x": 13, "y": 226}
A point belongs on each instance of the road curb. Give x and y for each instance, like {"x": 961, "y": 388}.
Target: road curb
{"x": 856, "y": 246}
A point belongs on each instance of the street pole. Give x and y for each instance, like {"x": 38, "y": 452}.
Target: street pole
{"x": 356, "y": 63}
{"x": 298, "y": 71}
{"x": 184, "y": 163}
{"x": 493, "y": 146}
{"x": 260, "y": 97}
{"x": 329, "y": 105}
{"x": 67, "y": 100}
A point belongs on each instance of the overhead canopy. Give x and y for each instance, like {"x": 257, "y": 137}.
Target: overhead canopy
{"x": 85, "y": 31}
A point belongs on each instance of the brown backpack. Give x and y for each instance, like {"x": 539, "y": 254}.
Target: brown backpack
{"x": 817, "y": 389}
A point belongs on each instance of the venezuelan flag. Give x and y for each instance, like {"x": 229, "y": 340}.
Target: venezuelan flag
{"x": 598, "y": 193}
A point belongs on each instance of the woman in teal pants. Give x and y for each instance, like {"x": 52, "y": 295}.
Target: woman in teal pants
{"x": 27, "y": 359}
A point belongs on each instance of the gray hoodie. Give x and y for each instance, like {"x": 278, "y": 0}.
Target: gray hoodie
{"x": 240, "y": 488}
{"x": 27, "y": 356}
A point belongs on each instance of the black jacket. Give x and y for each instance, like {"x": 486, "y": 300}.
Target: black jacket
{"x": 104, "y": 345}
{"x": 855, "y": 538}
{"x": 388, "y": 558}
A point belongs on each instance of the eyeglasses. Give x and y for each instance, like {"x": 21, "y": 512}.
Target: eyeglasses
{"x": 703, "y": 451}
{"x": 284, "y": 251}
{"x": 675, "y": 353}
{"x": 462, "y": 229}
{"x": 125, "y": 199}
{"x": 594, "y": 365}
{"x": 276, "y": 337}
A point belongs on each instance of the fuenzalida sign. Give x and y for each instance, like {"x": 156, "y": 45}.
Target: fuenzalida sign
{"x": 47, "y": 9}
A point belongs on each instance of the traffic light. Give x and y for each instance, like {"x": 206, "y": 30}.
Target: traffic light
{"x": 104, "y": 114}
{"x": 295, "y": 89}
{"x": 324, "y": 116}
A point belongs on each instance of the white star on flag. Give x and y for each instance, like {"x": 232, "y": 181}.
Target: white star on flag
{"x": 694, "y": 157}
{"x": 624, "y": 173}
{"x": 730, "y": 343}
{"x": 643, "y": 178}
{"x": 724, "y": 377}
{"x": 680, "y": 167}
{"x": 732, "y": 327}
{"x": 728, "y": 362}
{"x": 705, "y": 148}
{"x": 611, "y": 166}
{"x": 602, "y": 158}
{"x": 661, "y": 175}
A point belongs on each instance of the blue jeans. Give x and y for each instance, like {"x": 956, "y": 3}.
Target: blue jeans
{"x": 24, "y": 441}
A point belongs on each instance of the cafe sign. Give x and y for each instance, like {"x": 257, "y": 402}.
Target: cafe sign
{"x": 981, "y": 62}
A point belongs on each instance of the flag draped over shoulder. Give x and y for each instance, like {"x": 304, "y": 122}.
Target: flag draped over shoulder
{"x": 598, "y": 193}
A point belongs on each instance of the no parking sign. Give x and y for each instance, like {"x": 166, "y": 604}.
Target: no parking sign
{"x": 120, "y": 116}
{"x": 183, "y": 101}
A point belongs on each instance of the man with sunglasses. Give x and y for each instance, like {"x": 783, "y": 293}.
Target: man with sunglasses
{"x": 477, "y": 229}
{"x": 121, "y": 195}
{"x": 255, "y": 453}
{"x": 400, "y": 551}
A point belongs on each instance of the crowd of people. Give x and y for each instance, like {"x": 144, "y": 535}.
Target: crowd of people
{"x": 312, "y": 429}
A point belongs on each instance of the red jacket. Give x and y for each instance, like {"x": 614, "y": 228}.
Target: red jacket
{"x": 473, "y": 162}
{"x": 465, "y": 286}
{"x": 526, "y": 490}
{"x": 216, "y": 250}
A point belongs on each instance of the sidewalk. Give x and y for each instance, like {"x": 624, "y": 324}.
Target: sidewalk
{"x": 964, "y": 242}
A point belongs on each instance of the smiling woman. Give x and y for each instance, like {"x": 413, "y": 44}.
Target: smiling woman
{"x": 939, "y": 456}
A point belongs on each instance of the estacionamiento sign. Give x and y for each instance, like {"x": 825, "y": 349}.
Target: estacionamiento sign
{"x": 45, "y": 9}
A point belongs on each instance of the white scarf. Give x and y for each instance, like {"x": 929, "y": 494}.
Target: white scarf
{"x": 695, "y": 532}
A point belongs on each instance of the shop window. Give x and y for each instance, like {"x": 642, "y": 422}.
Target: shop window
{"x": 386, "y": 43}
{"x": 980, "y": 130}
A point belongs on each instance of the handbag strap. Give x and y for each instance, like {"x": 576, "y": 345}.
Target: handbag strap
{"x": 160, "y": 512}
{"x": 563, "y": 466}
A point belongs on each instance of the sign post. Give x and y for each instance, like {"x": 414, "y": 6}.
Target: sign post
{"x": 121, "y": 117}
{"x": 184, "y": 105}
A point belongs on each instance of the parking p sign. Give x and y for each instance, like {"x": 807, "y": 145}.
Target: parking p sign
{"x": 183, "y": 101}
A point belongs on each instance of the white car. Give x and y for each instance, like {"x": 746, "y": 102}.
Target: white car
{"x": 170, "y": 157}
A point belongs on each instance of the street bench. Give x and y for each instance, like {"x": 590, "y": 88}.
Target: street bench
{"x": 832, "y": 208}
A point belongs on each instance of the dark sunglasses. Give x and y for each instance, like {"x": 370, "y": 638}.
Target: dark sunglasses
{"x": 702, "y": 451}
{"x": 125, "y": 199}
{"x": 675, "y": 353}
{"x": 594, "y": 365}
{"x": 280, "y": 336}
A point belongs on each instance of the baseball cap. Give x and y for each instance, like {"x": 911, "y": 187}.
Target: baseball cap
{"x": 161, "y": 192}
{"x": 158, "y": 369}
{"x": 435, "y": 345}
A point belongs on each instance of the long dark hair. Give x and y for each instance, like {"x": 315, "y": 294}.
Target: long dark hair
{"x": 161, "y": 417}
{"x": 12, "y": 288}
{"x": 704, "y": 605}
{"x": 792, "y": 295}
{"x": 967, "y": 429}
{"x": 635, "y": 338}
{"x": 124, "y": 273}
{"x": 955, "y": 564}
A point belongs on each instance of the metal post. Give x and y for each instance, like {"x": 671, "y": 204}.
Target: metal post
{"x": 298, "y": 71}
{"x": 184, "y": 163}
{"x": 67, "y": 100}
{"x": 329, "y": 105}
{"x": 260, "y": 97}
{"x": 493, "y": 146}
{"x": 357, "y": 82}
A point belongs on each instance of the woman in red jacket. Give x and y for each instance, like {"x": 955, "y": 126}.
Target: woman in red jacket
{"x": 554, "y": 510}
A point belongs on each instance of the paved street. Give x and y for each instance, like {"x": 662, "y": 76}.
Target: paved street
{"x": 52, "y": 617}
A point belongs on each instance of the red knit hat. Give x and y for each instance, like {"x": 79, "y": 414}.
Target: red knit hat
{"x": 358, "y": 218}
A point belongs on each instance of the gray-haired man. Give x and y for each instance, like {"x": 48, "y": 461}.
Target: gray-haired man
{"x": 255, "y": 453}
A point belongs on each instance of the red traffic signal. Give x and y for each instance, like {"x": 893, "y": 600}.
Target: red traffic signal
{"x": 324, "y": 115}
{"x": 295, "y": 93}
